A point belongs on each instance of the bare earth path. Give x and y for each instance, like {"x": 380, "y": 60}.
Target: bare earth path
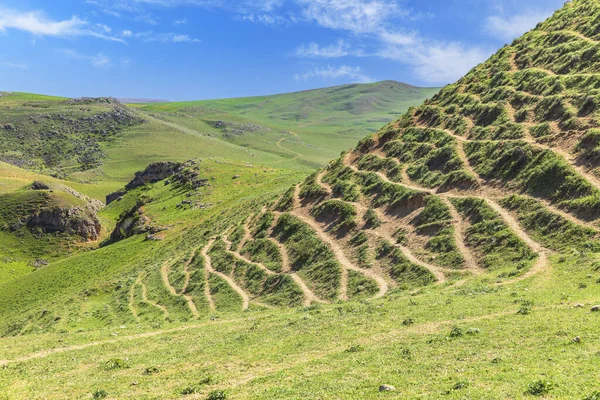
{"x": 234, "y": 286}
{"x": 541, "y": 264}
{"x": 309, "y": 296}
{"x": 340, "y": 256}
{"x": 459, "y": 234}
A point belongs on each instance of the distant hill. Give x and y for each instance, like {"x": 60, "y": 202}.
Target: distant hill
{"x": 127, "y": 100}
{"x": 312, "y": 126}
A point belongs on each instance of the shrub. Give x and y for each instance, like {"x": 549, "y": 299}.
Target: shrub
{"x": 100, "y": 394}
{"x": 455, "y": 332}
{"x": 114, "y": 364}
{"x": 355, "y": 348}
{"x": 593, "y": 396}
{"x": 539, "y": 388}
{"x": 370, "y": 218}
{"x": 217, "y": 395}
{"x": 151, "y": 370}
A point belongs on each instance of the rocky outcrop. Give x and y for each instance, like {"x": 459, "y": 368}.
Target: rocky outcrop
{"x": 134, "y": 222}
{"x": 73, "y": 221}
{"x": 115, "y": 196}
{"x": 153, "y": 173}
{"x": 39, "y": 186}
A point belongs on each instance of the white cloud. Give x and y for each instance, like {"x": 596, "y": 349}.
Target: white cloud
{"x": 166, "y": 37}
{"x": 339, "y": 49}
{"x": 183, "y": 21}
{"x": 511, "y": 27}
{"x": 127, "y": 33}
{"x": 14, "y": 65}
{"x": 105, "y": 28}
{"x": 38, "y": 24}
{"x": 357, "y": 16}
{"x": 346, "y": 72}
{"x": 374, "y": 22}
{"x": 440, "y": 63}
{"x": 99, "y": 60}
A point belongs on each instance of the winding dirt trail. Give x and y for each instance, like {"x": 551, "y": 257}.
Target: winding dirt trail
{"x": 295, "y": 153}
{"x": 344, "y": 261}
{"x": 569, "y": 158}
{"x": 244, "y": 259}
{"x": 164, "y": 273}
{"x": 230, "y": 282}
{"x": 459, "y": 234}
{"x": 541, "y": 264}
{"x": 247, "y": 234}
{"x": 309, "y": 295}
{"x": 324, "y": 185}
{"x": 132, "y": 299}
{"x": 146, "y": 300}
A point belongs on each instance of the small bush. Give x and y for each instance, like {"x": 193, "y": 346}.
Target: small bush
{"x": 473, "y": 331}
{"x": 151, "y": 370}
{"x": 524, "y": 310}
{"x": 355, "y": 348}
{"x": 460, "y": 385}
{"x": 408, "y": 321}
{"x": 193, "y": 389}
{"x": 455, "y": 332}
{"x": 115, "y": 363}
{"x": 371, "y": 220}
{"x": 100, "y": 394}
{"x": 406, "y": 354}
{"x": 217, "y": 395}
{"x": 539, "y": 388}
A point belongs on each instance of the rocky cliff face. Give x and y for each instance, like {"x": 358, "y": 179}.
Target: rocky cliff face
{"x": 153, "y": 173}
{"x": 73, "y": 221}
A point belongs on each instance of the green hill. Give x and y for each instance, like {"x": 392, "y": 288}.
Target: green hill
{"x": 453, "y": 254}
{"x": 311, "y": 127}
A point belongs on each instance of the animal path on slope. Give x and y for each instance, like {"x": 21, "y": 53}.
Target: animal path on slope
{"x": 341, "y": 257}
{"x": 164, "y": 272}
{"x": 542, "y": 263}
{"x": 230, "y": 282}
{"x": 309, "y": 296}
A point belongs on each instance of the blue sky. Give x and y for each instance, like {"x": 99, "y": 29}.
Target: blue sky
{"x": 203, "y": 49}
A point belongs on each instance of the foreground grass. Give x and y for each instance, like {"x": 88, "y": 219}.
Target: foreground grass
{"x": 470, "y": 341}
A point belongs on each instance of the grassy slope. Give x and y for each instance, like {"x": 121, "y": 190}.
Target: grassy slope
{"x": 315, "y": 124}
{"x": 274, "y": 354}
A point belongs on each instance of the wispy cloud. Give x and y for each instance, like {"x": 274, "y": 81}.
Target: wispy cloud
{"x": 182, "y": 21}
{"x": 14, "y": 65}
{"x": 336, "y": 50}
{"x": 171, "y": 37}
{"x": 513, "y": 26}
{"x": 374, "y": 22}
{"x": 36, "y": 23}
{"x": 353, "y": 74}
{"x": 357, "y": 16}
{"x": 99, "y": 60}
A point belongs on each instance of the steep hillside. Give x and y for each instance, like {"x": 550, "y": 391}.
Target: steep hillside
{"x": 311, "y": 127}
{"x": 488, "y": 178}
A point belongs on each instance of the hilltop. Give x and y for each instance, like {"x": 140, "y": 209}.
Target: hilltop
{"x": 454, "y": 253}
